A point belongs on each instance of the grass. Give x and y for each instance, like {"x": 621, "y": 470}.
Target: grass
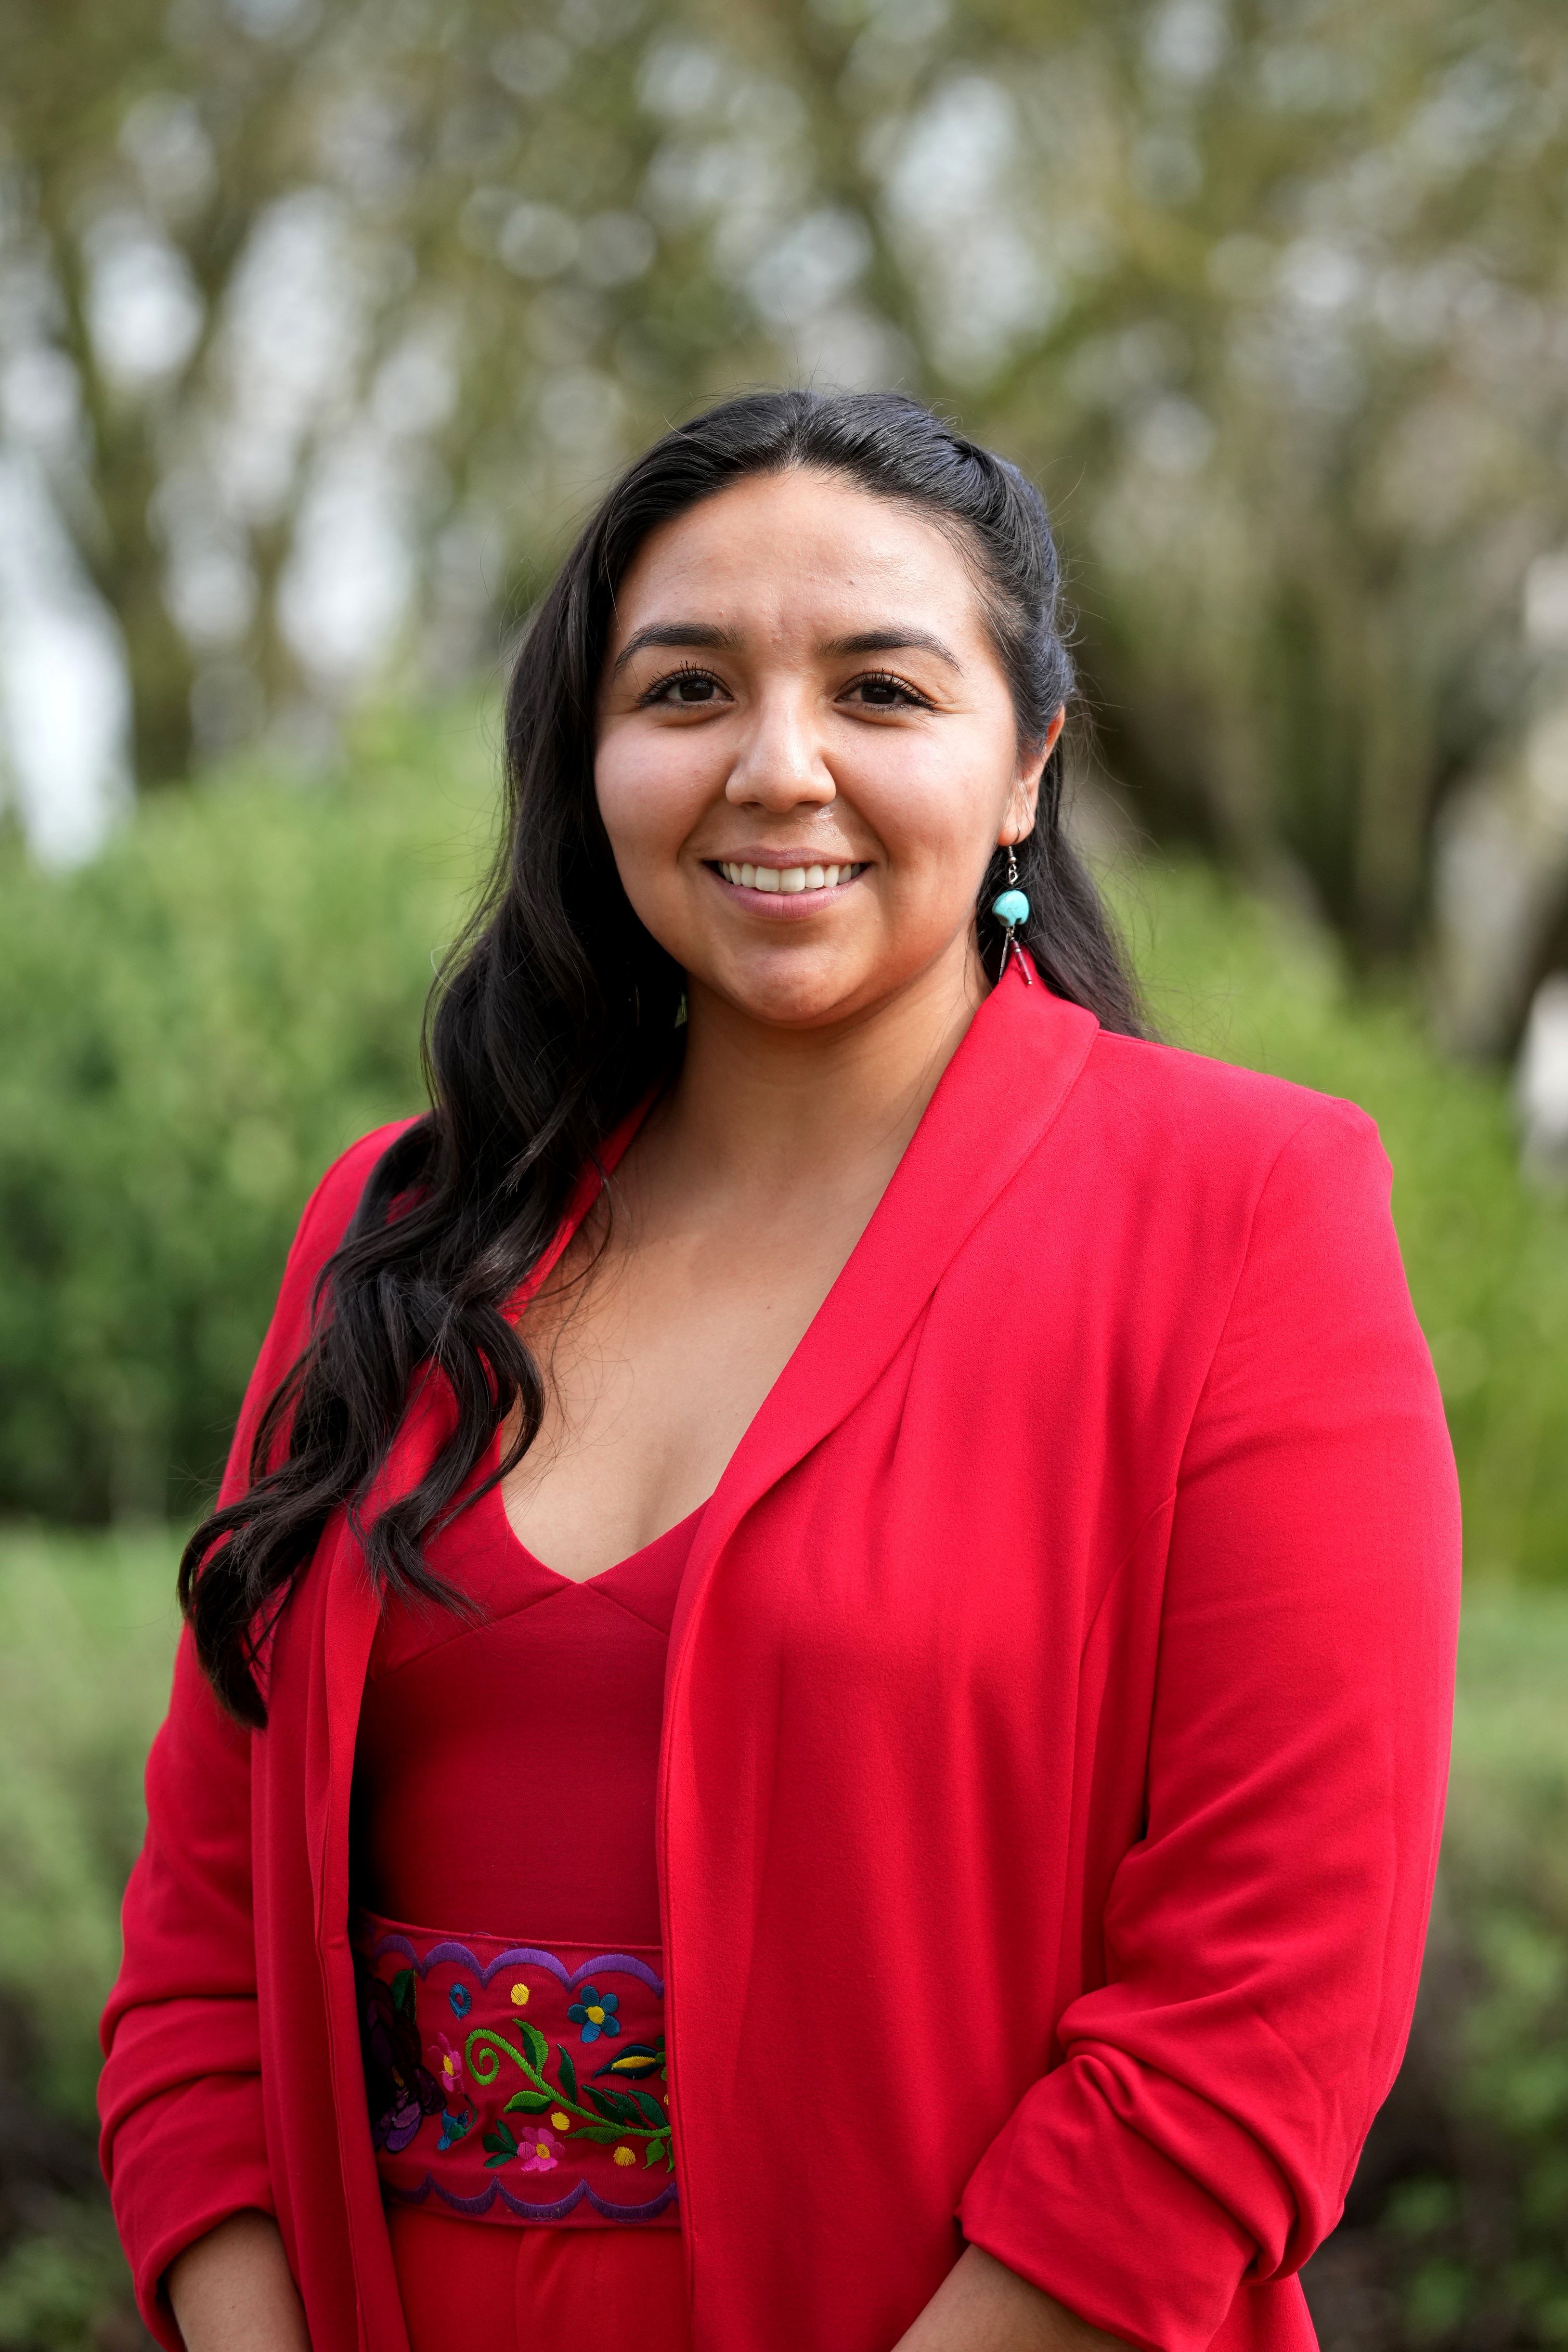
{"x": 87, "y": 1633}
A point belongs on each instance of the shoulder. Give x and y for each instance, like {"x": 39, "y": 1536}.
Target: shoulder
{"x": 1198, "y": 1113}
{"x": 326, "y": 1216}
{"x": 329, "y": 1212}
{"x": 1164, "y": 1156}
{"x": 331, "y": 1205}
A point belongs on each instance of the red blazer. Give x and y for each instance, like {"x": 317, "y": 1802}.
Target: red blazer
{"x": 1056, "y": 1728}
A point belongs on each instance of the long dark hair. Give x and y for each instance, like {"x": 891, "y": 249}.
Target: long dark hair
{"x": 556, "y": 1012}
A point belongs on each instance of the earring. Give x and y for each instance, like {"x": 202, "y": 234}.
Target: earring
{"x": 681, "y": 1010}
{"x": 1011, "y": 908}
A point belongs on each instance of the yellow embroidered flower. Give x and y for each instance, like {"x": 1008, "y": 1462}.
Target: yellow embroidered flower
{"x": 561, "y": 2123}
{"x": 519, "y": 1996}
{"x": 625, "y": 2156}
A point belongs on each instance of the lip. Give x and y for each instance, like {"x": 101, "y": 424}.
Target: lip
{"x": 781, "y": 905}
{"x": 769, "y": 853}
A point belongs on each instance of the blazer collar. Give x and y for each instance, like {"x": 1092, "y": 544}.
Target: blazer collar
{"x": 994, "y": 1103}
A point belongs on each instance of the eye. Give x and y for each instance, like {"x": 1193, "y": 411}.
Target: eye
{"x": 880, "y": 690}
{"x": 687, "y": 688}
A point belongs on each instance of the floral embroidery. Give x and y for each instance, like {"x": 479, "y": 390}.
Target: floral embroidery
{"x": 540, "y": 2152}
{"x": 605, "y": 2116}
{"x": 506, "y": 2087}
{"x": 448, "y": 2067}
{"x": 400, "y": 2088}
{"x": 638, "y": 2058}
{"x": 537, "y": 2151}
{"x": 595, "y": 2013}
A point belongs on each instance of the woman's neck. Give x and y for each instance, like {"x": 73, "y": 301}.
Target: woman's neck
{"x": 768, "y": 1111}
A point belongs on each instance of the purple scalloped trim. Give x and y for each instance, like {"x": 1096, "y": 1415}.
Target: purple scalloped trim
{"x": 666, "y": 2197}
{"x": 520, "y": 1956}
{"x": 474, "y": 2206}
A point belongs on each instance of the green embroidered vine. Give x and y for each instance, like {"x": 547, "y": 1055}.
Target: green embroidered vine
{"x": 608, "y": 2115}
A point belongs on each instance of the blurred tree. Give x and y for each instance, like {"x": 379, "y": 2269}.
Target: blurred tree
{"x": 324, "y": 317}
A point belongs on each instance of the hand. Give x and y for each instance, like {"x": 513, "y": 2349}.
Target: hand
{"x": 982, "y": 2307}
{"x": 233, "y": 2290}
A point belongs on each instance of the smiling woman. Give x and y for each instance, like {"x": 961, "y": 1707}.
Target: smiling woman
{"x": 815, "y": 1707}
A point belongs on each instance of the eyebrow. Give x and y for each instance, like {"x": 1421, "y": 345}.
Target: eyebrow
{"x": 706, "y": 634}
{"x": 893, "y": 641}
{"x": 676, "y": 632}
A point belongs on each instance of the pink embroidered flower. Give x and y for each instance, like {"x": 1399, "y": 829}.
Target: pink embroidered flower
{"x": 448, "y": 2068}
{"x": 539, "y": 2151}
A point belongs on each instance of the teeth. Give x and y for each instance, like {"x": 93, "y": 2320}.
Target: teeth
{"x": 789, "y": 878}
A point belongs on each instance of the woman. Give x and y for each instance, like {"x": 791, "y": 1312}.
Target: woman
{"x": 815, "y": 1712}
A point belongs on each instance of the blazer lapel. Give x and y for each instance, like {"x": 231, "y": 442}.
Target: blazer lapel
{"x": 995, "y": 1100}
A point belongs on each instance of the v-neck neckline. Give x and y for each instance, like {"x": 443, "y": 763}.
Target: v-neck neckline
{"x": 626, "y": 1567}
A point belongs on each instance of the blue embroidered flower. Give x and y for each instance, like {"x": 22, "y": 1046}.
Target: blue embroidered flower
{"x": 462, "y": 1999}
{"x": 455, "y": 2128}
{"x": 595, "y": 2013}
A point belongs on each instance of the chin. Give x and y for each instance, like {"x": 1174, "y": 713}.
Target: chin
{"x": 797, "y": 999}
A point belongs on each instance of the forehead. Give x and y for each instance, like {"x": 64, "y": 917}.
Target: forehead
{"x": 798, "y": 549}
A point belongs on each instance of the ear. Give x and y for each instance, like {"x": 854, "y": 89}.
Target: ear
{"x": 1023, "y": 800}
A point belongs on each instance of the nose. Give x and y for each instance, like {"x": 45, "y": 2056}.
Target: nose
{"x": 780, "y": 764}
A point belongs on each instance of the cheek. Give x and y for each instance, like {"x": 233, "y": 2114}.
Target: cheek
{"x": 651, "y": 791}
{"x": 936, "y": 809}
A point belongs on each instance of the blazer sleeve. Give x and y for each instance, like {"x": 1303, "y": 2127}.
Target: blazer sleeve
{"x": 183, "y": 2143}
{"x": 1263, "y": 1937}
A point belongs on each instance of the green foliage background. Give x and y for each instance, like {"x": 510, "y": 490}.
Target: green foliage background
{"x": 190, "y": 1029}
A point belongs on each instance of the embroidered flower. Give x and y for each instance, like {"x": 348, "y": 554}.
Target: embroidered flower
{"x": 595, "y": 2013}
{"x": 400, "y": 2089}
{"x": 397, "y": 2124}
{"x": 625, "y": 2156}
{"x": 455, "y": 2128}
{"x": 540, "y": 2152}
{"x": 448, "y": 2067}
{"x": 462, "y": 2001}
{"x": 519, "y": 1995}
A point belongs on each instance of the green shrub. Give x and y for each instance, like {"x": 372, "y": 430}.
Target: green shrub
{"x": 87, "y": 1634}
{"x": 190, "y": 1029}
{"x": 1457, "y": 2234}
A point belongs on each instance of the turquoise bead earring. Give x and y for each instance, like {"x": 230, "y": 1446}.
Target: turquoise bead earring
{"x": 1012, "y": 909}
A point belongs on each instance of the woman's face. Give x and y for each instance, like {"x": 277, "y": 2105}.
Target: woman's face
{"x": 806, "y": 752}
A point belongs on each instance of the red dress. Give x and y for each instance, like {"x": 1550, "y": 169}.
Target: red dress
{"x": 507, "y": 1904}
